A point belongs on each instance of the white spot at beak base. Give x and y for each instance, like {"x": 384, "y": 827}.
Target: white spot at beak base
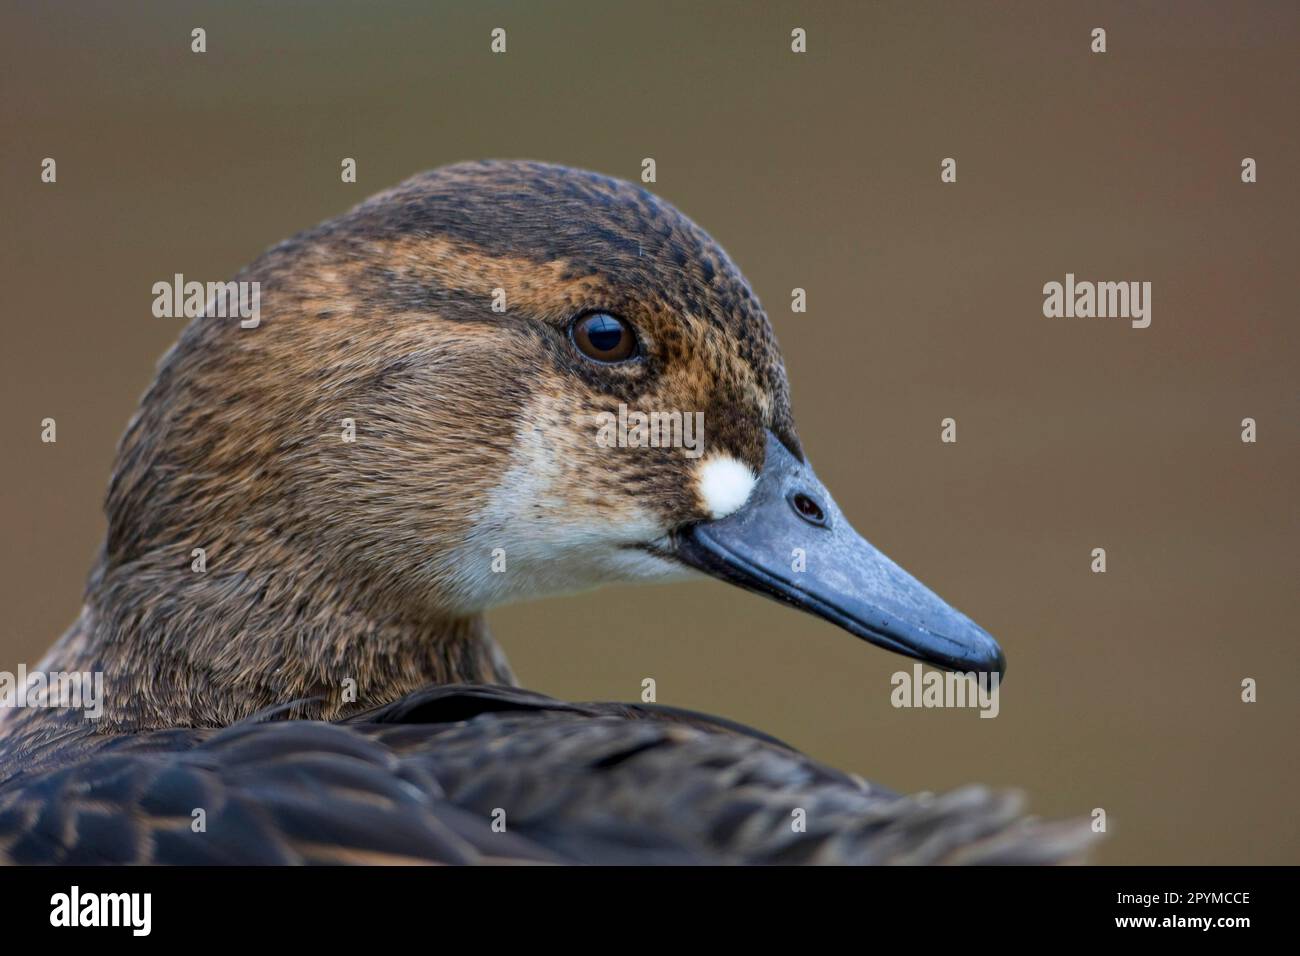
{"x": 724, "y": 485}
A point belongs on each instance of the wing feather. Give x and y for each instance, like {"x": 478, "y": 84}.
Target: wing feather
{"x": 479, "y": 774}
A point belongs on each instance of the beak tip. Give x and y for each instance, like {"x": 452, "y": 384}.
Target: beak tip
{"x": 986, "y": 653}
{"x": 977, "y": 651}
{"x": 999, "y": 661}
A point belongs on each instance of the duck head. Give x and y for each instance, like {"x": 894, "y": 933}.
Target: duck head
{"x": 440, "y": 412}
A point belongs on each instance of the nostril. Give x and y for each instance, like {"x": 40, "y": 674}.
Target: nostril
{"x": 808, "y": 508}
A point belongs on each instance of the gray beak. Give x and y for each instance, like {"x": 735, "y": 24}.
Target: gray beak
{"x": 843, "y": 578}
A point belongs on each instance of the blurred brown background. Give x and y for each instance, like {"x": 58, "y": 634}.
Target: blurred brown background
{"x": 819, "y": 171}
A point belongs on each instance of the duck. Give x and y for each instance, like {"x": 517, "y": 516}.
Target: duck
{"x": 409, "y": 437}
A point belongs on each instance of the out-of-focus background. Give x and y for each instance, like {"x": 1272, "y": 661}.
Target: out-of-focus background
{"x": 819, "y": 171}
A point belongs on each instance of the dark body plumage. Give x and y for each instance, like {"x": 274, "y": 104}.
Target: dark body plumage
{"x": 421, "y": 780}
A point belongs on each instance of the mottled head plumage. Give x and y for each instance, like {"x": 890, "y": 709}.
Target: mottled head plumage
{"x": 433, "y": 322}
{"x": 435, "y": 316}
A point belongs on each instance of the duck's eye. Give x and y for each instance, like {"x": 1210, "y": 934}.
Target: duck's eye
{"x": 604, "y": 337}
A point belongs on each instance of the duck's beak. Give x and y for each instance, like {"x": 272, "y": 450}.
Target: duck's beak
{"x": 789, "y": 541}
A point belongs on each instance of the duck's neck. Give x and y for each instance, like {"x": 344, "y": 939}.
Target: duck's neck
{"x": 180, "y": 648}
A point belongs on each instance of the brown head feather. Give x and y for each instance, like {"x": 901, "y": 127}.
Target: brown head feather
{"x": 369, "y": 560}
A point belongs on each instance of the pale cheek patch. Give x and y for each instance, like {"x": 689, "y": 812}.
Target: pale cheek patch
{"x": 724, "y": 485}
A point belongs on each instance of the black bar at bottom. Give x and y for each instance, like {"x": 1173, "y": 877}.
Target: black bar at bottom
{"x": 333, "y": 905}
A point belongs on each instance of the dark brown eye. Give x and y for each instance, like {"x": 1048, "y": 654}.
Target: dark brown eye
{"x": 604, "y": 337}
